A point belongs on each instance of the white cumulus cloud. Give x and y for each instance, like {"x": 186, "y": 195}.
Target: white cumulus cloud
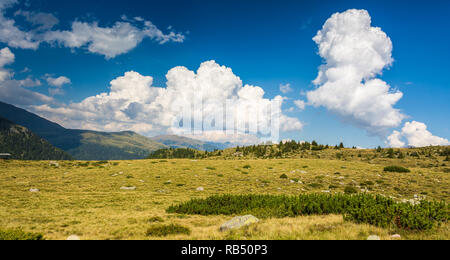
{"x": 395, "y": 140}
{"x": 355, "y": 52}
{"x": 213, "y": 94}
{"x": 300, "y": 104}
{"x": 58, "y": 82}
{"x": 6, "y": 57}
{"x": 417, "y": 135}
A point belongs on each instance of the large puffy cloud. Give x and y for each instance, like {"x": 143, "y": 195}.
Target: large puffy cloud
{"x": 110, "y": 42}
{"x": 417, "y": 135}
{"x": 395, "y": 140}
{"x": 355, "y": 53}
{"x": 214, "y": 99}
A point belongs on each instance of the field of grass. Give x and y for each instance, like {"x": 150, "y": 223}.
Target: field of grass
{"x": 86, "y": 199}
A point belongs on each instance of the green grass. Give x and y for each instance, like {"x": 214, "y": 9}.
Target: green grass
{"x": 89, "y": 203}
{"x": 155, "y": 219}
{"x": 362, "y": 208}
{"x": 350, "y": 190}
{"x": 396, "y": 169}
{"x": 166, "y": 230}
{"x": 19, "y": 234}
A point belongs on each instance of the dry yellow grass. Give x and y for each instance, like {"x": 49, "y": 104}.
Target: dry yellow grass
{"x": 87, "y": 200}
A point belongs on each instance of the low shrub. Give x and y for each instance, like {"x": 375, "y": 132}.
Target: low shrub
{"x": 99, "y": 163}
{"x": 165, "y": 230}
{"x": 332, "y": 186}
{"x": 367, "y": 183}
{"x": 85, "y": 164}
{"x": 315, "y": 185}
{"x": 283, "y": 176}
{"x": 361, "y": 208}
{"x": 155, "y": 219}
{"x": 396, "y": 169}
{"x": 19, "y": 234}
{"x": 350, "y": 190}
{"x": 247, "y": 166}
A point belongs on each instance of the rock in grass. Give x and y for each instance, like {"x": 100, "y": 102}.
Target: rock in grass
{"x": 373, "y": 237}
{"x": 34, "y": 190}
{"x": 396, "y": 236}
{"x": 239, "y": 222}
{"x": 73, "y": 237}
{"x": 128, "y": 188}
{"x": 200, "y": 189}
{"x": 54, "y": 164}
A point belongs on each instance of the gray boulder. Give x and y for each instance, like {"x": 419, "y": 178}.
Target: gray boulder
{"x": 373, "y": 237}
{"x": 396, "y": 236}
{"x": 73, "y": 238}
{"x": 239, "y": 222}
{"x": 128, "y": 188}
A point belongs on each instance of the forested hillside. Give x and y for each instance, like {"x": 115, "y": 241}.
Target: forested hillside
{"x": 83, "y": 144}
{"x": 23, "y": 144}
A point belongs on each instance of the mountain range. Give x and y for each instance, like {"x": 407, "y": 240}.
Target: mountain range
{"x": 95, "y": 145}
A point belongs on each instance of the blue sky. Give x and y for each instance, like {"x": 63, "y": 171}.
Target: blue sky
{"x": 265, "y": 43}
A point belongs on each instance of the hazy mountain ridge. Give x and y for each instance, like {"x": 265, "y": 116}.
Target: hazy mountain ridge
{"x": 83, "y": 144}
{"x": 175, "y": 141}
{"x": 23, "y": 144}
{"x": 93, "y": 145}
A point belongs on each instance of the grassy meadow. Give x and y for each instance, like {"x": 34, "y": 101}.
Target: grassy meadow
{"x": 86, "y": 199}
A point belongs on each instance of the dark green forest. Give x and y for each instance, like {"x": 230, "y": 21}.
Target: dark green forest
{"x": 264, "y": 151}
{"x": 22, "y": 144}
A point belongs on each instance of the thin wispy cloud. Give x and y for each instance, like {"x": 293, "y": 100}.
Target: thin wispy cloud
{"x": 118, "y": 39}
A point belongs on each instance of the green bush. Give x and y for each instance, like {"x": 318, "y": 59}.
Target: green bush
{"x": 283, "y": 176}
{"x": 350, "y": 190}
{"x": 165, "y": 230}
{"x": 360, "y": 208}
{"x": 19, "y": 234}
{"x": 247, "y": 166}
{"x": 155, "y": 219}
{"x": 315, "y": 185}
{"x": 396, "y": 169}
